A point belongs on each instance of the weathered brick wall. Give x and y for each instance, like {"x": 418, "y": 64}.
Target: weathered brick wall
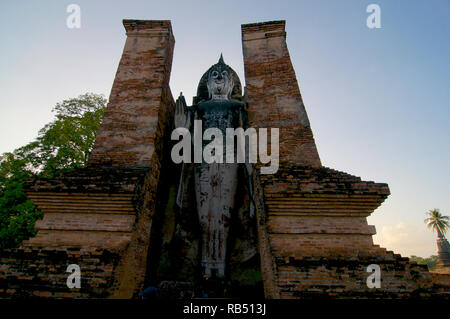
{"x": 312, "y": 228}
{"x": 86, "y": 208}
{"x": 441, "y": 281}
{"x": 134, "y": 263}
{"x": 89, "y": 218}
{"x": 100, "y": 217}
{"x": 321, "y": 241}
{"x": 273, "y": 94}
{"x": 319, "y": 210}
{"x": 29, "y": 271}
{"x": 128, "y": 130}
{"x": 341, "y": 276}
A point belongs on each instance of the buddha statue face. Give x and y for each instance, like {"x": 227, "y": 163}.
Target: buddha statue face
{"x": 220, "y": 81}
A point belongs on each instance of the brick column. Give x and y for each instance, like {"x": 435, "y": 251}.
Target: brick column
{"x": 131, "y": 122}
{"x": 107, "y": 208}
{"x": 313, "y": 235}
{"x": 273, "y": 93}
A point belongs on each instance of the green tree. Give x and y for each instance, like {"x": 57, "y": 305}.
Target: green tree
{"x": 17, "y": 213}
{"x": 431, "y": 261}
{"x": 437, "y": 221}
{"x": 66, "y": 142}
{"x": 63, "y": 144}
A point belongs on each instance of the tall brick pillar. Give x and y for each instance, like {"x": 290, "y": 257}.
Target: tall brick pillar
{"x": 100, "y": 217}
{"x": 273, "y": 93}
{"x": 139, "y": 93}
{"x": 132, "y": 132}
{"x": 313, "y": 234}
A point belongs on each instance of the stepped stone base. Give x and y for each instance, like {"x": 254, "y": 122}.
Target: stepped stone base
{"x": 33, "y": 271}
{"x": 100, "y": 217}
{"x": 441, "y": 281}
{"x": 319, "y": 242}
{"x": 345, "y": 277}
{"x": 90, "y": 219}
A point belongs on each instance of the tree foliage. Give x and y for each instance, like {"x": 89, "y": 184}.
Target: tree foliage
{"x": 431, "y": 261}
{"x": 63, "y": 144}
{"x": 437, "y": 221}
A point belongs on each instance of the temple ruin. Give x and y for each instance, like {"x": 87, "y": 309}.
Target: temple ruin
{"x": 117, "y": 218}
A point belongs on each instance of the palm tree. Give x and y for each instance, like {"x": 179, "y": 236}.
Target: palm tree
{"x": 440, "y": 223}
{"x": 437, "y": 221}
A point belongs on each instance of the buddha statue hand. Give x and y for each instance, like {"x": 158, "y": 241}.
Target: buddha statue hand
{"x": 182, "y": 118}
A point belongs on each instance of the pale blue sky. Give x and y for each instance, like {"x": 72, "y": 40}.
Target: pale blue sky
{"x": 377, "y": 99}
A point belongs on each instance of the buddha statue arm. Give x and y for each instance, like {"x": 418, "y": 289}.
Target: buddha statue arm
{"x": 243, "y": 122}
{"x": 182, "y": 116}
{"x": 183, "y": 119}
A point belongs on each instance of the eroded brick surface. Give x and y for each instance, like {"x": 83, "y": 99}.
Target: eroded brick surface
{"x": 41, "y": 272}
{"x": 313, "y": 232}
{"x": 313, "y": 236}
{"x": 130, "y": 127}
{"x": 274, "y": 99}
{"x": 100, "y": 217}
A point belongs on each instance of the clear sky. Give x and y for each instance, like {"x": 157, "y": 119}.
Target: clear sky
{"x": 377, "y": 99}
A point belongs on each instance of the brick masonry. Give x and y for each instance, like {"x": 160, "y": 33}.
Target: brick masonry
{"x": 273, "y": 94}
{"x": 312, "y": 221}
{"x": 131, "y": 125}
{"x": 314, "y": 240}
{"x": 100, "y": 217}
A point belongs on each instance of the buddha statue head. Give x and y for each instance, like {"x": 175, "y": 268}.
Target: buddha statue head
{"x": 220, "y": 81}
